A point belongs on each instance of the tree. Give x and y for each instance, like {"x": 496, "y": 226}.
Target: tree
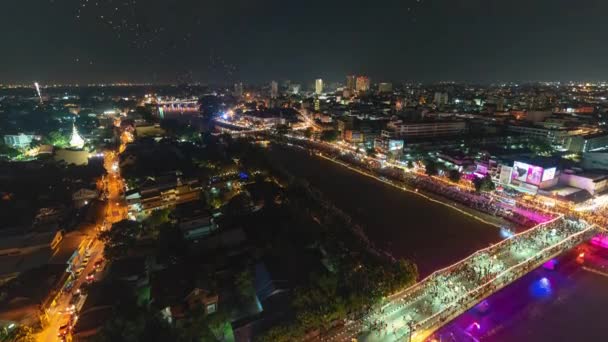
{"x": 179, "y": 130}
{"x": 244, "y": 284}
{"x": 308, "y": 132}
{"x": 157, "y": 219}
{"x": 484, "y": 184}
{"x": 131, "y": 322}
{"x": 171, "y": 246}
{"x": 430, "y": 167}
{"x": 454, "y": 176}
{"x": 282, "y": 129}
{"x": 119, "y": 239}
{"x": 145, "y": 113}
{"x": 329, "y": 136}
{"x": 21, "y": 333}
{"x": 238, "y": 205}
{"x": 540, "y": 146}
{"x": 7, "y": 151}
{"x": 57, "y": 139}
{"x": 410, "y": 164}
{"x": 86, "y": 123}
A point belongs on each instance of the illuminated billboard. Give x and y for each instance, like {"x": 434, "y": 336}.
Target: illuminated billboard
{"x": 520, "y": 171}
{"x": 395, "y": 145}
{"x": 505, "y": 174}
{"x": 549, "y": 174}
{"x": 532, "y": 174}
{"x": 535, "y": 175}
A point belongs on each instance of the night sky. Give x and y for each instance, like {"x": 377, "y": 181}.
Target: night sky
{"x": 257, "y": 41}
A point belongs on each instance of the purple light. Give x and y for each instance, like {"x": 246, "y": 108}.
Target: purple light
{"x": 550, "y": 265}
{"x": 600, "y": 240}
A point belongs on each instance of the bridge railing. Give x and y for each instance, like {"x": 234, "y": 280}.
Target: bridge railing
{"x": 502, "y": 279}
{"x": 498, "y": 245}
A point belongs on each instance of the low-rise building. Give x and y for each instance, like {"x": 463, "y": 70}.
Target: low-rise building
{"x": 595, "y": 161}
{"x": 162, "y": 193}
{"x": 588, "y": 143}
{"x": 425, "y": 129}
{"x": 592, "y": 182}
{"x": 20, "y": 140}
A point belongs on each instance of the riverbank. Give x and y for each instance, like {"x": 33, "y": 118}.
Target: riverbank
{"x": 430, "y": 196}
{"x": 403, "y": 223}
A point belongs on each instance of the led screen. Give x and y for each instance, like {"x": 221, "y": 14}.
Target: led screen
{"x": 549, "y": 174}
{"x": 535, "y": 175}
{"x": 395, "y": 145}
{"x": 520, "y": 171}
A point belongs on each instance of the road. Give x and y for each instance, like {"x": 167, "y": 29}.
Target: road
{"x": 116, "y": 210}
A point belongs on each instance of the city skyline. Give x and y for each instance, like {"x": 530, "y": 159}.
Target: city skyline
{"x": 427, "y": 40}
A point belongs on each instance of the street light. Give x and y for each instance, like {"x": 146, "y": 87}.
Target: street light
{"x": 410, "y": 326}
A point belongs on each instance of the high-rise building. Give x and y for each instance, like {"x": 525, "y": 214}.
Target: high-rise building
{"x": 318, "y": 86}
{"x": 362, "y": 84}
{"x": 500, "y": 104}
{"x": 238, "y": 89}
{"x": 440, "y": 99}
{"x": 385, "y": 87}
{"x": 350, "y": 82}
{"x": 294, "y": 88}
{"x": 274, "y": 89}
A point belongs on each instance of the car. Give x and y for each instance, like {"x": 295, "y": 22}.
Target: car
{"x": 98, "y": 263}
{"x": 69, "y": 286}
{"x": 71, "y": 308}
{"x": 65, "y": 327}
{"x": 90, "y": 277}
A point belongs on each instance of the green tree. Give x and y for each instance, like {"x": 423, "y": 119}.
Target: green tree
{"x": 484, "y": 184}
{"x": 145, "y": 113}
{"x": 282, "y": 129}
{"x": 244, "y": 284}
{"x": 540, "y": 146}
{"x": 120, "y": 238}
{"x": 57, "y": 139}
{"x": 320, "y": 304}
{"x": 158, "y": 218}
{"x": 131, "y": 323}
{"x": 308, "y": 132}
{"x": 86, "y": 123}
{"x": 430, "y": 167}
{"x": 171, "y": 246}
{"x": 8, "y": 151}
{"x": 21, "y": 333}
{"x": 410, "y": 164}
{"x": 329, "y": 135}
{"x": 281, "y": 333}
{"x": 454, "y": 176}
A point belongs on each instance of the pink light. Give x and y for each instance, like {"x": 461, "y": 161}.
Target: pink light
{"x": 600, "y": 240}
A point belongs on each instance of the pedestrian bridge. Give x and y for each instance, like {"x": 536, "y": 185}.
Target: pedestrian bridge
{"x": 416, "y": 312}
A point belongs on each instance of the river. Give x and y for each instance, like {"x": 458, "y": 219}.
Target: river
{"x": 404, "y": 224}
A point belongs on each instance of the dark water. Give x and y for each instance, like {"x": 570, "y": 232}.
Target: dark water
{"x": 567, "y": 304}
{"x": 405, "y": 224}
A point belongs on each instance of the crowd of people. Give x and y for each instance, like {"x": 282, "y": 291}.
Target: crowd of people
{"x": 452, "y": 290}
